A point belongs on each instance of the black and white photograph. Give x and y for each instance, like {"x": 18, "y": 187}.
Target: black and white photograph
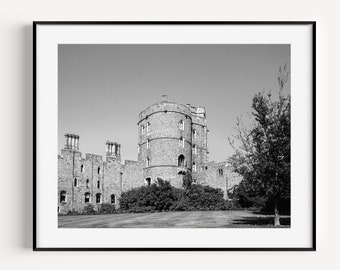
{"x": 174, "y": 136}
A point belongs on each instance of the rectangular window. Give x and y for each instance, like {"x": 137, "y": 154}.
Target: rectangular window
{"x": 147, "y": 144}
{"x": 194, "y": 133}
{"x": 181, "y": 142}
{"x": 181, "y": 125}
{"x": 194, "y": 148}
{"x": 63, "y": 196}
{"x": 87, "y": 197}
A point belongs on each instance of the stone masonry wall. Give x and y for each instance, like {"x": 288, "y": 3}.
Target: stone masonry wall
{"x": 105, "y": 180}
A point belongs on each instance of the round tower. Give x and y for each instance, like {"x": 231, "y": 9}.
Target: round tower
{"x": 165, "y": 142}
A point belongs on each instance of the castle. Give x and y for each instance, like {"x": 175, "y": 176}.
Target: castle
{"x": 172, "y": 141}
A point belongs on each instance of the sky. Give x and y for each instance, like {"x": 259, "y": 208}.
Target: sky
{"x": 103, "y": 88}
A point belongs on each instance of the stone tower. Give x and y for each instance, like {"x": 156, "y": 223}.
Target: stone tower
{"x": 172, "y": 141}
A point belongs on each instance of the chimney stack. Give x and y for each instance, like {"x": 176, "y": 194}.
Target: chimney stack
{"x": 71, "y": 141}
{"x": 112, "y": 149}
{"x": 164, "y": 98}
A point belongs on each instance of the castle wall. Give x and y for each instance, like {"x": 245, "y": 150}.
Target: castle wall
{"x": 133, "y": 175}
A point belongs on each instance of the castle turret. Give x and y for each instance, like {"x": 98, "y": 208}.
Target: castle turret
{"x": 165, "y": 141}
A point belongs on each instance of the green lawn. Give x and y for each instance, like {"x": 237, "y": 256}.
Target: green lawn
{"x": 195, "y": 219}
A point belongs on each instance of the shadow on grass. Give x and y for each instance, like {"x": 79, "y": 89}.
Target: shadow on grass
{"x": 261, "y": 221}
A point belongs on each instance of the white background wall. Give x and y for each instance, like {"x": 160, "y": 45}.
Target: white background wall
{"x": 16, "y": 130}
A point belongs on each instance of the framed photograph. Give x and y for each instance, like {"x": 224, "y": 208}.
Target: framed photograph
{"x": 161, "y": 136}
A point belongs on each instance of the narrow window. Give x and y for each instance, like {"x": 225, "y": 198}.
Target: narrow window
{"x": 113, "y": 199}
{"x": 98, "y": 184}
{"x": 143, "y": 129}
{"x": 194, "y": 167}
{"x": 181, "y": 142}
{"x": 194, "y": 133}
{"x": 148, "y": 127}
{"x": 220, "y": 172}
{"x": 63, "y": 196}
{"x": 147, "y": 164}
{"x": 147, "y": 144}
{"x": 87, "y": 197}
{"x": 138, "y": 148}
{"x": 82, "y": 168}
{"x": 194, "y": 149}
{"x": 205, "y": 130}
{"x": 181, "y": 125}
{"x": 87, "y": 183}
{"x": 98, "y": 198}
{"x": 75, "y": 182}
{"x": 98, "y": 170}
{"x": 148, "y": 181}
{"x": 181, "y": 161}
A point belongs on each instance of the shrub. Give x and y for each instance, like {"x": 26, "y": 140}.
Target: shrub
{"x": 163, "y": 197}
{"x": 107, "y": 208}
{"x": 199, "y": 197}
{"x": 72, "y": 213}
{"x": 89, "y": 210}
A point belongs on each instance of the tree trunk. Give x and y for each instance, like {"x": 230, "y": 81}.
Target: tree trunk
{"x": 276, "y": 217}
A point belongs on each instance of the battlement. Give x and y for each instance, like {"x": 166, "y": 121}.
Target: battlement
{"x": 197, "y": 111}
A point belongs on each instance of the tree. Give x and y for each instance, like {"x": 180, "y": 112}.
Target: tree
{"x": 262, "y": 150}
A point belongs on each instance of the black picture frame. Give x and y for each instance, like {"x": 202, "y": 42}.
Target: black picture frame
{"x": 313, "y": 57}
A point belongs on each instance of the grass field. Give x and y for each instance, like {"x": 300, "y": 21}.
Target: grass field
{"x": 196, "y": 219}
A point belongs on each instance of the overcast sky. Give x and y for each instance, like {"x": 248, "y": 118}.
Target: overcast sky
{"x": 103, "y": 88}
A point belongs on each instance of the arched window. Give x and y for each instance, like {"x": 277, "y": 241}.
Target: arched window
{"x": 87, "y": 183}
{"x": 87, "y": 197}
{"x": 81, "y": 168}
{"x": 194, "y": 168}
{"x": 75, "y": 182}
{"x": 113, "y": 199}
{"x": 148, "y": 125}
{"x": 63, "y": 196}
{"x": 147, "y": 163}
{"x": 147, "y": 144}
{"x": 98, "y": 198}
{"x": 148, "y": 181}
{"x": 181, "y": 125}
{"x": 98, "y": 184}
{"x": 181, "y": 142}
{"x": 98, "y": 170}
{"x": 181, "y": 161}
